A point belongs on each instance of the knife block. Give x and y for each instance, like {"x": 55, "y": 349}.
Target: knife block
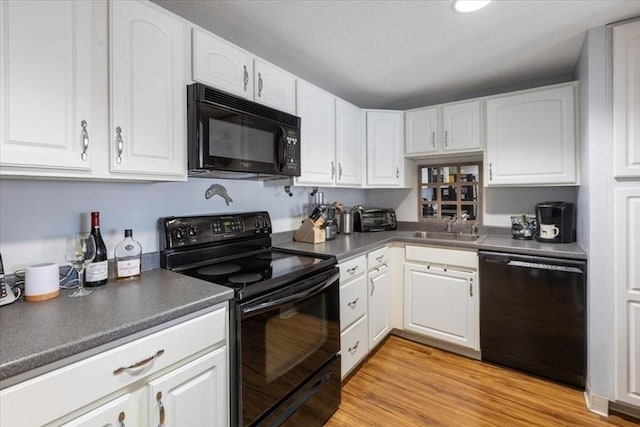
{"x": 310, "y": 231}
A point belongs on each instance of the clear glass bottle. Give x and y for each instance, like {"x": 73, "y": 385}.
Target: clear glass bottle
{"x": 128, "y": 255}
{"x": 97, "y": 270}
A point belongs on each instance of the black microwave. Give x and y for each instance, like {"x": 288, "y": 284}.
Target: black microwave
{"x": 232, "y": 137}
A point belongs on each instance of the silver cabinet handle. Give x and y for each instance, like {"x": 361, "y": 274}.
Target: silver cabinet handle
{"x": 352, "y": 270}
{"x": 433, "y": 139}
{"x": 333, "y": 170}
{"x": 119, "y": 145}
{"x": 471, "y": 288}
{"x": 353, "y": 349}
{"x": 246, "y": 78}
{"x": 446, "y": 139}
{"x": 85, "y": 140}
{"x": 490, "y": 172}
{"x": 353, "y": 303}
{"x": 259, "y": 85}
{"x": 373, "y": 287}
{"x": 121, "y": 419}
{"x": 160, "y": 409}
{"x": 397, "y": 172}
{"x": 140, "y": 363}
{"x": 339, "y": 170}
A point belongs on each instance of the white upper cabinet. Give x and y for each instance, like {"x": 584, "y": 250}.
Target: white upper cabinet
{"x": 531, "y": 138}
{"x": 461, "y": 126}
{"x": 46, "y": 85}
{"x": 385, "y": 163}
{"x": 317, "y": 135}
{"x": 626, "y": 100}
{"x": 349, "y": 144}
{"x": 218, "y": 63}
{"x": 148, "y": 115}
{"x": 443, "y": 129}
{"x": 421, "y": 131}
{"x": 274, "y": 87}
{"x": 225, "y": 66}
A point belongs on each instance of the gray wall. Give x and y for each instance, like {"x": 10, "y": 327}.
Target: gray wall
{"x": 595, "y": 205}
{"x": 35, "y": 216}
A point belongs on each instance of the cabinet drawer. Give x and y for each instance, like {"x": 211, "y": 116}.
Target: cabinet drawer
{"x": 353, "y": 301}
{"x": 352, "y": 268}
{"x": 449, "y": 257}
{"x": 378, "y": 257}
{"x": 96, "y": 378}
{"x": 354, "y": 345}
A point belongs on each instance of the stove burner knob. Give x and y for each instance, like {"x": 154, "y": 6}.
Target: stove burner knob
{"x": 256, "y": 223}
{"x": 178, "y": 234}
{"x": 265, "y": 224}
{"x": 191, "y": 232}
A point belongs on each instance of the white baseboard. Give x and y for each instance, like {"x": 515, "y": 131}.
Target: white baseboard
{"x": 595, "y": 403}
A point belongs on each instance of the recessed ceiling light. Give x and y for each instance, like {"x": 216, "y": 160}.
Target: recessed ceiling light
{"x": 464, "y": 6}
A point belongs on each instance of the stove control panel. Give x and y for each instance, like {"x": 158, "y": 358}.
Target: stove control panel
{"x": 196, "y": 230}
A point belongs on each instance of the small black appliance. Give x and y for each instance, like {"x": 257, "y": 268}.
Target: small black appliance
{"x": 556, "y": 222}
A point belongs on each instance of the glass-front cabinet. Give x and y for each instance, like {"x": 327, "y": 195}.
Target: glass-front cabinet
{"x": 450, "y": 190}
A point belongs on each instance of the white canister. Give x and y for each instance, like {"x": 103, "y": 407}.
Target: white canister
{"x": 41, "y": 282}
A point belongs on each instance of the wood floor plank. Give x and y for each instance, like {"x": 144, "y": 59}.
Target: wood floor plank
{"x": 409, "y": 384}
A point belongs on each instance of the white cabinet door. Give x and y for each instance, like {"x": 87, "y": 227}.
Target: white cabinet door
{"x": 627, "y": 289}
{"x": 121, "y": 411}
{"x": 195, "y": 394}
{"x": 379, "y": 310}
{"x": 45, "y": 84}
{"x": 461, "y": 126}
{"x": 317, "y": 134}
{"x": 274, "y": 87}
{"x": 440, "y": 302}
{"x": 385, "y": 163}
{"x": 148, "y": 133}
{"x": 626, "y": 99}
{"x": 221, "y": 64}
{"x": 349, "y": 144}
{"x": 531, "y": 138}
{"x": 421, "y": 131}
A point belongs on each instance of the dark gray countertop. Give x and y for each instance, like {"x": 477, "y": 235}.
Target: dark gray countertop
{"x": 347, "y": 246}
{"x": 34, "y": 334}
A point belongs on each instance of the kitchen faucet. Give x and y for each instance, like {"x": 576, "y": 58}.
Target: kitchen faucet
{"x": 450, "y": 223}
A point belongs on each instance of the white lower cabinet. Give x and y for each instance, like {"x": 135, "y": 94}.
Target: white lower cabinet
{"x": 441, "y": 295}
{"x": 353, "y": 313}
{"x": 379, "y": 296}
{"x": 354, "y": 345}
{"x": 180, "y": 371}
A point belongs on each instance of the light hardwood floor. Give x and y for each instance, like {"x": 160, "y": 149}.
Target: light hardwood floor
{"x": 409, "y": 384}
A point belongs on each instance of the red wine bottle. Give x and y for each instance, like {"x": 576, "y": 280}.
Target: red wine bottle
{"x": 97, "y": 271}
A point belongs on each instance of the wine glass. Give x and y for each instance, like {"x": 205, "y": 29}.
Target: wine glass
{"x": 81, "y": 249}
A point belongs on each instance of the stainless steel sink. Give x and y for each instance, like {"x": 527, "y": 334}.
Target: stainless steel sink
{"x": 439, "y": 235}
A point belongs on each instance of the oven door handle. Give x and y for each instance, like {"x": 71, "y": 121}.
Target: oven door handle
{"x": 258, "y": 307}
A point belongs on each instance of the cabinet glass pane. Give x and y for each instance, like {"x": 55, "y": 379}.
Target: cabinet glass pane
{"x": 429, "y": 210}
{"x": 429, "y": 175}
{"x": 469, "y": 193}
{"x": 429, "y": 194}
{"x": 449, "y": 210}
{"x": 469, "y": 173}
{"x": 448, "y": 192}
{"x": 449, "y": 174}
{"x": 471, "y": 212}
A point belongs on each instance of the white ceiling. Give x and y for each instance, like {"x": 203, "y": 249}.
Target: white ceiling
{"x": 403, "y": 54}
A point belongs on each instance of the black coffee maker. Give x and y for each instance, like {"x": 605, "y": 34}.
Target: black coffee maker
{"x": 556, "y": 222}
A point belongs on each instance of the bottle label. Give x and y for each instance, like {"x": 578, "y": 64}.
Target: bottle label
{"x": 96, "y": 271}
{"x": 127, "y": 268}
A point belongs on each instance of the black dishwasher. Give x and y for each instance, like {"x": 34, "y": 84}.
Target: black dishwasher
{"x": 533, "y": 315}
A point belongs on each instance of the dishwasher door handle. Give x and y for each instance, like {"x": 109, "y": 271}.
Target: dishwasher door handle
{"x": 541, "y": 266}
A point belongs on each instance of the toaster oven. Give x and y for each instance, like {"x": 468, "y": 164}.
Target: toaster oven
{"x": 374, "y": 219}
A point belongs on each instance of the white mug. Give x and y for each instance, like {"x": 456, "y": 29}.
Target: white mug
{"x": 41, "y": 282}
{"x": 549, "y": 231}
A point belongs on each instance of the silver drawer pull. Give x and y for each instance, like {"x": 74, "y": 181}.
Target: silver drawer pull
{"x": 352, "y": 270}
{"x": 119, "y": 145}
{"x": 260, "y": 85}
{"x": 140, "y": 363}
{"x": 85, "y": 140}
{"x": 380, "y": 258}
{"x": 353, "y": 349}
{"x": 245, "y": 80}
{"x": 160, "y": 409}
{"x": 353, "y": 303}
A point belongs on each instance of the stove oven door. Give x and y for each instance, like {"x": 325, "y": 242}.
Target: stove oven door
{"x": 286, "y": 337}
